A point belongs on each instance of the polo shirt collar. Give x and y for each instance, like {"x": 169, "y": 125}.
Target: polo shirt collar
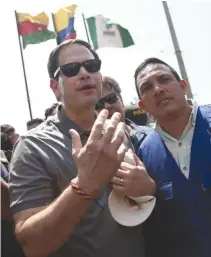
{"x": 65, "y": 124}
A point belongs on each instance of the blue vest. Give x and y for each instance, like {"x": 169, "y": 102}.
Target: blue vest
{"x": 180, "y": 225}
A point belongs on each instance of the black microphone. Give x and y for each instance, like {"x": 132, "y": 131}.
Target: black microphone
{"x": 209, "y": 131}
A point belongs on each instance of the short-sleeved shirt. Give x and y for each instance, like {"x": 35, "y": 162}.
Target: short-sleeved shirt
{"x": 42, "y": 167}
{"x": 181, "y": 148}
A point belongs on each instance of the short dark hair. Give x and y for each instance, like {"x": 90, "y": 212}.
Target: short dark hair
{"x": 49, "y": 111}
{"x": 6, "y": 128}
{"x": 53, "y": 61}
{"x": 34, "y": 121}
{"x": 111, "y": 83}
{"x": 6, "y": 145}
{"x": 149, "y": 61}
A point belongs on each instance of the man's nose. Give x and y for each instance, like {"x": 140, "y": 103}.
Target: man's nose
{"x": 83, "y": 73}
{"x": 158, "y": 89}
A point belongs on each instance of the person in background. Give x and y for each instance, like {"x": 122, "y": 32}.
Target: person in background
{"x": 6, "y": 146}
{"x": 51, "y": 110}
{"x": 60, "y": 172}
{"x": 136, "y": 114}
{"x": 10, "y": 131}
{"x": 9, "y": 244}
{"x": 4, "y": 164}
{"x": 177, "y": 155}
{"x": 33, "y": 123}
{"x": 111, "y": 100}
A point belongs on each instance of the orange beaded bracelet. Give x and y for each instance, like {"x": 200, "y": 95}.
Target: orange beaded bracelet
{"x": 84, "y": 195}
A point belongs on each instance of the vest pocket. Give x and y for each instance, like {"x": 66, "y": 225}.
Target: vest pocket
{"x": 165, "y": 192}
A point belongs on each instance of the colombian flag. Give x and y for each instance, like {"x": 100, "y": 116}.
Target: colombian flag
{"x": 64, "y": 23}
{"x": 34, "y": 29}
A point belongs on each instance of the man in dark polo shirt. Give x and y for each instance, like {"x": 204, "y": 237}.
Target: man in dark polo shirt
{"x": 54, "y": 171}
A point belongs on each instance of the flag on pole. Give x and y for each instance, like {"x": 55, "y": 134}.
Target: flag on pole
{"x": 34, "y": 29}
{"x": 107, "y": 33}
{"x": 64, "y": 23}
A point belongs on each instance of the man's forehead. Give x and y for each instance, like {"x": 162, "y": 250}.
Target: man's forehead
{"x": 74, "y": 53}
{"x": 153, "y": 69}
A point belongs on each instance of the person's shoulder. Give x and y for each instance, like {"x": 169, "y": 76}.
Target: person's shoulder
{"x": 35, "y": 137}
{"x": 32, "y": 147}
{"x": 205, "y": 111}
{"x": 145, "y": 129}
{"x": 41, "y": 130}
{"x": 138, "y": 129}
{"x": 205, "y": 107}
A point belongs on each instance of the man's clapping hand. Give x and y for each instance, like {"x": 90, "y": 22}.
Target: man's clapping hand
{"x": 100, "y": 158}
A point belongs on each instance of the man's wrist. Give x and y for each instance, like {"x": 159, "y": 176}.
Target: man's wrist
{"x": 83, "y": 195}
{"x": 88, "y": 190}
{"x": 149, "y": 189}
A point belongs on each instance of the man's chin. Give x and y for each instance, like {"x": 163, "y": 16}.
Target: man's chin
{"x": 167, "y": 105}
{"x": 92, "y": 99}
{"x": 168, "y": 111}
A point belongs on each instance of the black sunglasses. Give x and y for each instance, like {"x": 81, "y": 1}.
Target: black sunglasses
{"x": 110, "y": 99}
{"x": 72, "y": 69}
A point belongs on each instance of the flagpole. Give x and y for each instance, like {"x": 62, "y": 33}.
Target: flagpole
{"x": 54, "y": 25}
{"x": 177, "y": 49}
{"x": 23, "y": 66}
{"x": 87, "y": 35}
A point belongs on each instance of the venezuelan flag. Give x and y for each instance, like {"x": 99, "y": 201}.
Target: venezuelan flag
{"x": 34, "y": 29}
{"x": 64, "y": 23}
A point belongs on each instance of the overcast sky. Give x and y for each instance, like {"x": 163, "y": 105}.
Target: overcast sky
{"x": 147, "y": 24}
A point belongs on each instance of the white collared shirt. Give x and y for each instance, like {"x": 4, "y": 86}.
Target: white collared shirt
{"x": 181, "y": 149}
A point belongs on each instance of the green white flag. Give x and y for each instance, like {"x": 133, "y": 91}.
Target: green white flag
{"x": 107, "y": 33}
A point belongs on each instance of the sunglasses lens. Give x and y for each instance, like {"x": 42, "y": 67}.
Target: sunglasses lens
{"x": 71, "y": 69}
{"x": 92, "y": 65}
{"x": 111, "y": 99}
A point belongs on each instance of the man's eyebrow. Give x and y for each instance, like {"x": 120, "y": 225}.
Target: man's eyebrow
{"x": 144, "y": 82}
{"x": 164, "y": 74}
{"x": 144, "y": 79}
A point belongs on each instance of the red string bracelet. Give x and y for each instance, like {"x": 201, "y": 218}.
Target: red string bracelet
{"x": 80, "y": 192}
{"x": 84, "y": 195}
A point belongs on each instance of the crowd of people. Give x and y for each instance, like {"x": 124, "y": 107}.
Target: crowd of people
{"x": 56, "y": 179}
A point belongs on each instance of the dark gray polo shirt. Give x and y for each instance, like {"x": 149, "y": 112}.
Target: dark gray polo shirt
{"x": 42, "y": 167}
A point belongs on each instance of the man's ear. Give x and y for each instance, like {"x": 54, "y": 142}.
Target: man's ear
{"x": 54, "y": 86}
{"x": 183, "y": 84}
{"x": 141, "y": 105}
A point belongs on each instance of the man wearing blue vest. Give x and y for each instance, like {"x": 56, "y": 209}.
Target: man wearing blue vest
{"x": 177, "y": 155}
